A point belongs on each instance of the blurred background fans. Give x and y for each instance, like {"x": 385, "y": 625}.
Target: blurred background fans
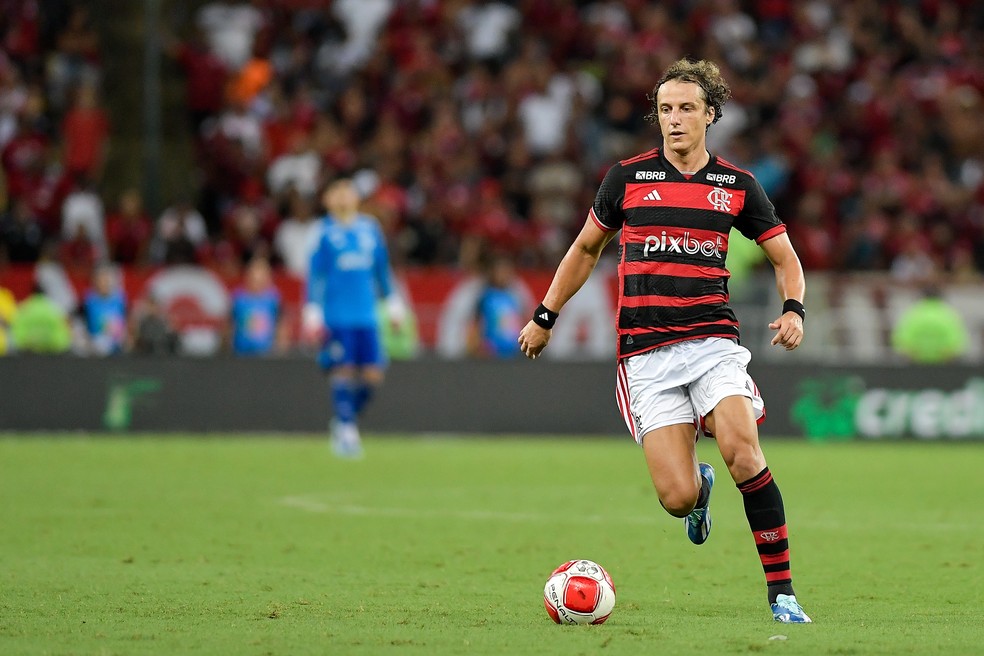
{"x": 162, "y": 134}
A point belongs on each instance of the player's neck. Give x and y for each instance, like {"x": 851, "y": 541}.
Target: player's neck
{"x": 689, "y": 162}
{"x": 348, "y": 217}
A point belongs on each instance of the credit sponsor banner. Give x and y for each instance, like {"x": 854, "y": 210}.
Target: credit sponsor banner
{"x": 871, "y": 403}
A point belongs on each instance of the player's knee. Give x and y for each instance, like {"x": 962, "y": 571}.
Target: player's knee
{"x": 343, "y": 372}
{"x": 678, "y": 501}
{"x": 372, "y": 376}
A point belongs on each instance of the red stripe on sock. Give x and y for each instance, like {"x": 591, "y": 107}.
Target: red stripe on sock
{"x": 770, "y": 535}
{"x": 755, "y": 485}
{"x": 775, "y": 577}
{"x": 769, "y": 559}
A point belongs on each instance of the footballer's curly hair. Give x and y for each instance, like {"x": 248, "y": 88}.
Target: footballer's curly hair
{"x": 704, "y": 74}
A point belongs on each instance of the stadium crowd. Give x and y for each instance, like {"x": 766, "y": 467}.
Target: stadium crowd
{"x": 477, "y": 125}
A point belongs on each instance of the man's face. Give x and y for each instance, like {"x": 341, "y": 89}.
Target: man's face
{"x": 258, "y": 276}
{"x": 683, "y": 116}
{"x": 104, "y": 282}
{"x": 342, "y": 198}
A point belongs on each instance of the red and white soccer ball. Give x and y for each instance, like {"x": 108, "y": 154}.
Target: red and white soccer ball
{"x": 579, "y": 592}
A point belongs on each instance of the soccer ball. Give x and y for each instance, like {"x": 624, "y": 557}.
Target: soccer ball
{"x": 579, "y": 592}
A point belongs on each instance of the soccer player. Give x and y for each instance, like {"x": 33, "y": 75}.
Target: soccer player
{"x": 680, "y": 365}
{"x": 349, "y": 271}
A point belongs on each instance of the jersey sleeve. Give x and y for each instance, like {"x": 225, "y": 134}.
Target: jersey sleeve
{"x": 381, "y": 266}
{"x": 317, "y": 272}
{"x": 757, "y": 220}
{"x": 607, "y": 209}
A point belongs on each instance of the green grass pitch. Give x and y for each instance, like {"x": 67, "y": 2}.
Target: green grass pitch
{"x": 268, "y": 545}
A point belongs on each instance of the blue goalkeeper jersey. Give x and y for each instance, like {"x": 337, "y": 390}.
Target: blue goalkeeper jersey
{"x": 349, "y": 271}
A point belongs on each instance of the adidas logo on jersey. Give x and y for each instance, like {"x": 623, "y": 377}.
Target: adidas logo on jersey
{"x": 652, "y": 195}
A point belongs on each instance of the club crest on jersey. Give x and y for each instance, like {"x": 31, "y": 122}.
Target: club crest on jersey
{"x": 720, "y": 199}
{"x": 650, "y": 175}
{"x": 683, "y": 244}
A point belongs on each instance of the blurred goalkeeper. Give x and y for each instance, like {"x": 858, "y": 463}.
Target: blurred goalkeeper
{"x": 349, "y": 272}
{"x": 680, "y": 366}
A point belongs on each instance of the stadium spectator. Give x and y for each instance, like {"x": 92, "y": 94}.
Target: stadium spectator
{"x": 129, "y": 230}
{"x": 256, "y": 312}
{"x": 499, "y": 312}
{"x": 75, "y": 61}
{"x": 21, "y": 233}
{"x": 205, "y": 78}
{"x": 231, "y": 29}
{"x": 299, "y": 169}
{"x": 489, "y": 28}
{"x": 40, "y": 326}
{"x": 85, "y": 130}
{"x": 247, "y": 235}
{"x": 362, "y": 21}
{"x": 8, "y": 308}
{"x": 104, "y": 311}
{"x": 296, "y": 235}
{"x": 151, "y": 329}
{"x": 240, "y": 127}
{"x": 247, "y": 84}
{"x": 83, "y": 228}
{"x": 13, "y": 98}
{"x": 930, "y": 331}
{"x": 78, "y": 250}
{"x": 544, "y": 111}
{"x": 22, "y": 42}
{"x": 181, "y": 234}
{"x": 24, "y": 156}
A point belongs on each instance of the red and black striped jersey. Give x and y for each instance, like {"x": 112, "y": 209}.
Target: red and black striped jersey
{"x": 673, "y": 283}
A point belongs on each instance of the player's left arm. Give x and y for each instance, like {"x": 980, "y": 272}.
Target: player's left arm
{"x": 791, "y": 284}
{"x": 395, "y": 308}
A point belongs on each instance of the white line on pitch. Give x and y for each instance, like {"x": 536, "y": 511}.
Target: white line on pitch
{"x": 312, "y": 505}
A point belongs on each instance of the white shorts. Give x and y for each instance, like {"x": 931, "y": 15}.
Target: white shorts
{"x": 681, "y": 383}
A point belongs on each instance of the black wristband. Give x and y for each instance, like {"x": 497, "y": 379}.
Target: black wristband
{"x": 544, "y": 318}
{"x": 792, "y": 305}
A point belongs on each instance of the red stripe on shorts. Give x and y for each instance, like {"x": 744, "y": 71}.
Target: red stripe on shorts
{"x": 622, "y": 395}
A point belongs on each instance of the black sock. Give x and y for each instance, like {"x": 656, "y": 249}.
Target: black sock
{"x": 704, "y": 494}
{"x": 767, "y": 519}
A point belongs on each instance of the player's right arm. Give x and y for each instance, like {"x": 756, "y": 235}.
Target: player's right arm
{"x": 574, "y": 269}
